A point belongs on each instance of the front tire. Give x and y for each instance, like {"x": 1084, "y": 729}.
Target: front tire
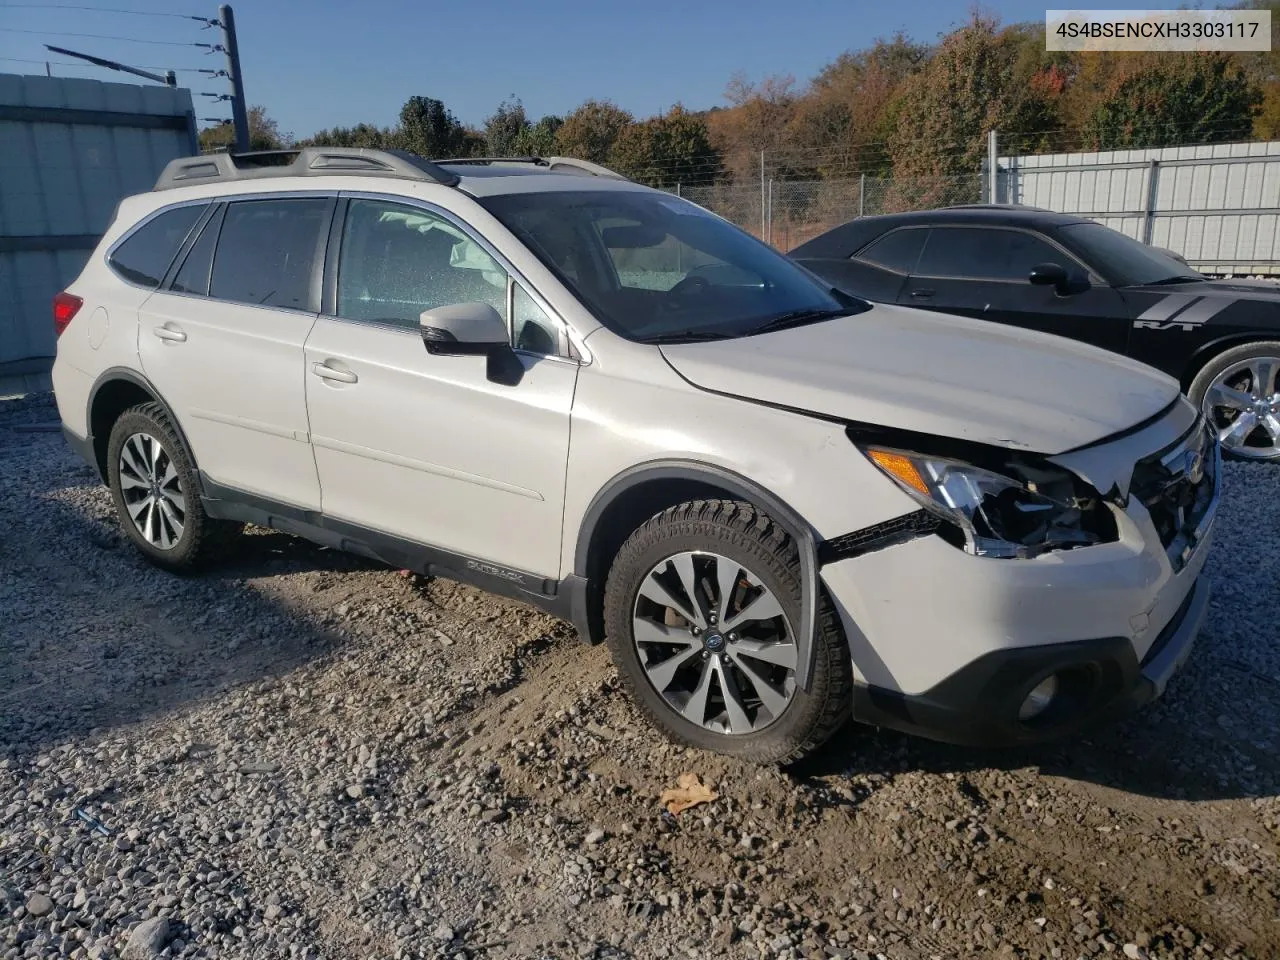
{"x": 1239, "y": 392}
{"x": 156, "y": 492}
{"x": 700, "y": 607}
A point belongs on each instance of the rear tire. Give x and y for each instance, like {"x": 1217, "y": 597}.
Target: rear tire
{"x": 732, "y": 692}
{"x": 157, "y": 493}
{"x": 1239, "y": 393}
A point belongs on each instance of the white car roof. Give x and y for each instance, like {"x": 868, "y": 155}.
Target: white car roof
{"x": 306, "y": 167}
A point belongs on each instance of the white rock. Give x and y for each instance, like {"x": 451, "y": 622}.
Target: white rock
{"x": 147, "y": 939}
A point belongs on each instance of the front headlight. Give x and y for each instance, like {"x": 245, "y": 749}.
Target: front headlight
{"x": 1040, "y": 509}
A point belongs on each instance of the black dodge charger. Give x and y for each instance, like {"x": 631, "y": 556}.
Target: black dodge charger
{"x": 1076, "y": 278}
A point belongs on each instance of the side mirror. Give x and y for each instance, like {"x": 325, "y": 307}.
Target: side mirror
{"x": 1055, "y": 275}
{"x": 463, "y": 328}
{"x": 1048, "y": 275}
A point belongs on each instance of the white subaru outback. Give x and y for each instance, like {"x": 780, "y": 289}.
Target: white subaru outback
{"x": 779, "y": 506}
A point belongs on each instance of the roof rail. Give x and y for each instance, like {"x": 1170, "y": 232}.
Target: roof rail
{"x": 572, "y": 164}
{"x": 302, "y": 162}
{"x": 553, "y": 165}
{"x": 996, "y": 206}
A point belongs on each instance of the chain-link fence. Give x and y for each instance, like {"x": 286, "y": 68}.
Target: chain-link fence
{"x": 786, "y": 213}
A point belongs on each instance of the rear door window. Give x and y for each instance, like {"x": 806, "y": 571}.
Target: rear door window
{"x": 268, "y": 251}
{"x": 897, "y": 250}
{"x": 144, "y": 257}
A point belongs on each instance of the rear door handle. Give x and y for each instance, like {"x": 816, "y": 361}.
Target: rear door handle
{"x": 922, "y": 294}
{"x": 171, "y": 334}
{"x": 326, "y": 372}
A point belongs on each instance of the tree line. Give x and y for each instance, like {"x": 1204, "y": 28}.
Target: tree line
{"x": 897, "y": 108}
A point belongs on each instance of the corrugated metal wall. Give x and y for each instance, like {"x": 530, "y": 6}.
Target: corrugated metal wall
{"x": 70, "y": 149}
{"x": 1216, "y": 204}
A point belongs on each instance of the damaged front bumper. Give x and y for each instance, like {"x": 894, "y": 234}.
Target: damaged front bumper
{"x": 951, "y": 646}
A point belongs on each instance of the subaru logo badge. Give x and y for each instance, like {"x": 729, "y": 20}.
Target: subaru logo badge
{"x": 1193, "y": 465}
{"x": 714, "y": 641}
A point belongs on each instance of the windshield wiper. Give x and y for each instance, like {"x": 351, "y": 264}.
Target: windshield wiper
{"x": 795, "y": 318}
{"x": 686, "y": 336}
{"x": 1181, "y": 278}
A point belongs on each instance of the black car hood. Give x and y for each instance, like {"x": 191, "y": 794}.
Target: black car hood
{"x": 1236, "y": 289}
{"x": 1239, "y": 304}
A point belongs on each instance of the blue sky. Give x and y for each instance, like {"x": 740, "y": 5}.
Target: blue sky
{"x": 323, "y": 63}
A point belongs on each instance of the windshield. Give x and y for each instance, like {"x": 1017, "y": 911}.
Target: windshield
{"x": 1123, "y": 260}
{"x": 656, "y": 268}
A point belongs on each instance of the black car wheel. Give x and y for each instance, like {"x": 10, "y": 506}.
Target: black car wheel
{"x": 701, "y": 605}
{"x": 156, "y": 493}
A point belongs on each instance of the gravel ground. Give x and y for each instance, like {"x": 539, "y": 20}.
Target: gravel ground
{"x": 301, "y": 754}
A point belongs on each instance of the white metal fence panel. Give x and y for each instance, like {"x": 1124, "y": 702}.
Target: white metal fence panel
{"x": 1216, "y": 204}
{"x": 70, "y": 149}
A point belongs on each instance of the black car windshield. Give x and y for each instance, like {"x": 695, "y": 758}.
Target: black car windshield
{"x": 656, "y": 268}
{"x": 1123, "y": 260}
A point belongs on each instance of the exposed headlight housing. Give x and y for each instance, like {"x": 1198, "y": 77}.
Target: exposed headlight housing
{"x": 1028, "y": 511}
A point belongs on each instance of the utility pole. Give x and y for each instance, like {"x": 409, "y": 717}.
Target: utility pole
{"x": 239, "y": 112}
{"x": 764, "y": 203}
{"x": 993, "y": 164}
{"x": 769, "y": 221}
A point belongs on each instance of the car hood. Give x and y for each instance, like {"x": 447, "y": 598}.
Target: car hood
{"x": 1242, "y": 303}
{"x": 1245, "y": 287}
{"x": 938, "y": 374}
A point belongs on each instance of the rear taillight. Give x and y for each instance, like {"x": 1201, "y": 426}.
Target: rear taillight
{"x": 65, "y": 307}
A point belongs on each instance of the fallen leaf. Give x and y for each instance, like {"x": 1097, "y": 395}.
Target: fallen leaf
{"x": 689, "y": 792}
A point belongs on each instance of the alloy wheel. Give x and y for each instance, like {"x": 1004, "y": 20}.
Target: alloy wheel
{"x": 1244, "y": 406}
{"x": 714, "y": 642}
{"x": 152, "y": 491}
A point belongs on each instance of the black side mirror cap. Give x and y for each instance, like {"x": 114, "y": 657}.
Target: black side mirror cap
{"x": 444, "y": 343}
{"x": 1048, "y": 275}
{"x": 1055, "y": 275}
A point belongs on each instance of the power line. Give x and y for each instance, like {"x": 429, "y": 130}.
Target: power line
{"x": 70, "y": 6}
{"x": 74, "y": 63}
{"x": 99, "y": 36}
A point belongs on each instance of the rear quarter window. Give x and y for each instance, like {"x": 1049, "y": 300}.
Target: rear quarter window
{"x": 145, "y": 255}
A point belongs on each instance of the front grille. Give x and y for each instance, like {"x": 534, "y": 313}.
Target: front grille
{"x": 1177, "y": 486}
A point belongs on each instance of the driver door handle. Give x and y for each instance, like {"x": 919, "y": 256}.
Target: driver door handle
{"x": 326, "y": 372}
{"x": 171, "y": 334}
{"x": 922, "y": 294}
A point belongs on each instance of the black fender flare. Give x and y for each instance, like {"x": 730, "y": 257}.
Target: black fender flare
{"x": 740, "y": 487}
{"x": 1206, "y": 352}
{"x": 112, "y": 374}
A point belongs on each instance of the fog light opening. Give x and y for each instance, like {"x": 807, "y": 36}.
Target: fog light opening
{"x": 1039, "y": 699}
